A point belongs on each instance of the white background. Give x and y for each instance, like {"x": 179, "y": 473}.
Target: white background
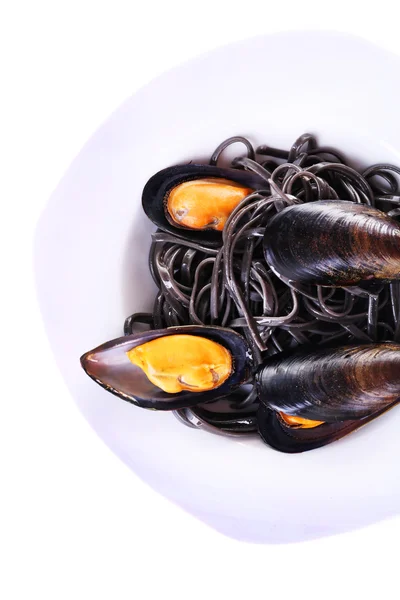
{"x": 74, "y": 521}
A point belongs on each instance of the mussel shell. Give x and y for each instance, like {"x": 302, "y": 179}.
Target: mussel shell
{"x": 276, "y": 433}
{"x": 333, "y": 243}
{"x": 111, "y": 368}
{"x": 158, "y": 186}
{"x": 331, "y": 384}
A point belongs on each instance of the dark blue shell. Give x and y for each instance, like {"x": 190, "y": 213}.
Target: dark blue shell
{"x": 333, "y": 243}
{"x": 331, "y": 384}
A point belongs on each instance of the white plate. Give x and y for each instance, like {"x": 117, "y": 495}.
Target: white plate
{"x": 91, "y": 267}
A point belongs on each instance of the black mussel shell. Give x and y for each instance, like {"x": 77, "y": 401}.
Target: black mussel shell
{"x": 284, "y": 438}
{"x": 111, "y": 368}
{"x": 331, "y": 384}
{"x": 157, "y": 188}
{"x": 333, "y": 243}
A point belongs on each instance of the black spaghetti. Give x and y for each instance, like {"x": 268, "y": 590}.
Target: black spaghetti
{"x": 288, "y": 261}
{"x": 232, "y": 286}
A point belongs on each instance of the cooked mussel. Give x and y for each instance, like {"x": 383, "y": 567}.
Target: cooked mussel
{"x": 331, "y": 384}
{"x": 171, "y": 368}
{"x": 193, "y": 201}
{"x": 275, "y": 430}
{"x": 333, "y": 243}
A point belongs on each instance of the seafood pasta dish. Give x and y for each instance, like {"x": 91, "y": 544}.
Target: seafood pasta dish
{"x": 277, "y": 310}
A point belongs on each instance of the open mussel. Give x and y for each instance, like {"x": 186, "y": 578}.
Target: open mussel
{"x": 331, "y": 384}
{"x": 194, "y": 201}
{"x": 171, "y": 368}
{"x": 333, "y": 243}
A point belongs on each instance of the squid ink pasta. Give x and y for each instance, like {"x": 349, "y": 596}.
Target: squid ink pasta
{"x": 300, "y": 261}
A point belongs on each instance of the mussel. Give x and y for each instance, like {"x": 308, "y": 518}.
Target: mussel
{"x": 275, "y": 431}
{"x": 333, "y": 243}
{"x": 331, "y": 384}
{"x": 193, "y": 201}
{"x": 171, "y": 368}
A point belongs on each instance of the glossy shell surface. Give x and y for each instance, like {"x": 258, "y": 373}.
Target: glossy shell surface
{"x": 332, "y": 384}
{"x": 333, "y": 243}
